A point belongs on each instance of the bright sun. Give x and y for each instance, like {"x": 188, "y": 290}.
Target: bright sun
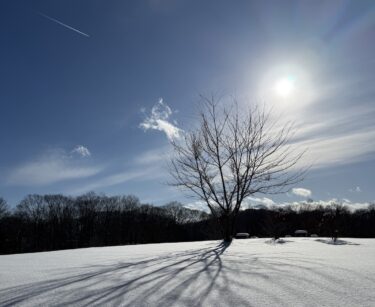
{"x": 284, "y": 87}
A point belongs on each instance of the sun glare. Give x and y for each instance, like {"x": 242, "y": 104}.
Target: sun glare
{"x": 284, "y": 87}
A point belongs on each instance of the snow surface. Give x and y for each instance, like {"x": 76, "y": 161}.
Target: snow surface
{"x": 250, "y": 272}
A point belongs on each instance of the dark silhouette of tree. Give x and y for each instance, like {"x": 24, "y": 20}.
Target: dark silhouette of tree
{"x": 182, "y": 215}
{"x": 4, "y": 209}
{"x": 234, "y": 154}
{"x": 333, "y": 217}
{"x": 275, "y": 223}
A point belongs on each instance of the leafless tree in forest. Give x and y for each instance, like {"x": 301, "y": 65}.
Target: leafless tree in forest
{"x": 182, "y": 215}
{"x": 4, "y": 209}
{"x": 232, "y": 155}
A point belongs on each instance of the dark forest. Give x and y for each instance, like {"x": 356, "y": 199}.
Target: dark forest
{"x": 54, "y": 222}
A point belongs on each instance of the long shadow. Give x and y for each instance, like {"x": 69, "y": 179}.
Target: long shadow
{"x": 186, "y": 278}
{"x": 337, "y": 242}
{"x": 159, "y": 272}
{"x": 164, "y": 275}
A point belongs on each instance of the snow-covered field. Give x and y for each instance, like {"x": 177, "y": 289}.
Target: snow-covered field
{"x": 299, "y": 272}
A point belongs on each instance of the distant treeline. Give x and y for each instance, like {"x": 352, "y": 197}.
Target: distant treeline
{"x": 53, "y": 222}
{"x": 323, "y": 221}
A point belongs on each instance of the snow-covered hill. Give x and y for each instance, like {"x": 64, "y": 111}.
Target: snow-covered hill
{"x": 300, "y": 272}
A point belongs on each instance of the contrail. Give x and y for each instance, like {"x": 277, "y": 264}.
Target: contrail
{"x": 62, "y": 24}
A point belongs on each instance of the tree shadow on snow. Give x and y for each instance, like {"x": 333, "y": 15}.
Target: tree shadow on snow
{"x": 278, "y": 241}
{"x": 170, "y": 274}
{"x": 195, "y": 277}
{"x": 337, "y": 242}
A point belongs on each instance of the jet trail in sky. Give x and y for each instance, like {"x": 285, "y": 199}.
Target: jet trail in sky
{"x": 63, "y": 24}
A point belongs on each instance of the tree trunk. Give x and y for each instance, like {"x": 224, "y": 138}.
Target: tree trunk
{"x": 227, "y": 227}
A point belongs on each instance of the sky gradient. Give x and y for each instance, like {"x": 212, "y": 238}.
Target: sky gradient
{"x": 92, "y": 91}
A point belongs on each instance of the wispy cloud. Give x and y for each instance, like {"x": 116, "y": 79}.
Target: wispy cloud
{"x": 148, "y": 165}
{"x": 141, "y": 174}
{"x": 301, "y": 192}
{"x": 81, "y": 151}
{"x": 53, "y": 166}
{"x": 355, "y": 190}
{"x": 159, "y": 119}
{"x": 334, "y": 129}
{"x": 154, "y": 156}
{"x": 325, "y": 150}
{"x": 63, "y": 24}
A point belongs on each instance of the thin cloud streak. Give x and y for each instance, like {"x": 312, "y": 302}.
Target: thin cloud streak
{"x": 149, "y": 165}
{"x": 41, "y": 173}
{"x": 53, "y": 166}
{"x": 63, "y": 24}
{"x": 143, "y": 174}
{"x": 154, "y": 156}
{"x": 335, "y": 151}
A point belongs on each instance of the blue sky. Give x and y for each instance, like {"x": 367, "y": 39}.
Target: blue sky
{"x": 91, "y": 91}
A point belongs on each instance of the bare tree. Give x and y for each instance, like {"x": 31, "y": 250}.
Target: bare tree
{"x": 4, "y": 209}
{"x": 332, "y": 218}
{"x": 232, "y": 155}
{"x": 182, "y": 215}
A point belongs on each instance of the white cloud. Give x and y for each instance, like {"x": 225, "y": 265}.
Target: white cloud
{"x": 52, "y": 167}
{"x": 267, "y": 203}
{"x": 352, "y": 206}
{"x": 256, "y": 201}
{"x": 159, "y": 120}
{"x": 249, "y": 202}
{"x": 355, "y": 206}
{"x": 355, "y": 190}
{"x": 82, "y": 151}
{"x": 301, "y": 192}
{"x": 198, "y": 205}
